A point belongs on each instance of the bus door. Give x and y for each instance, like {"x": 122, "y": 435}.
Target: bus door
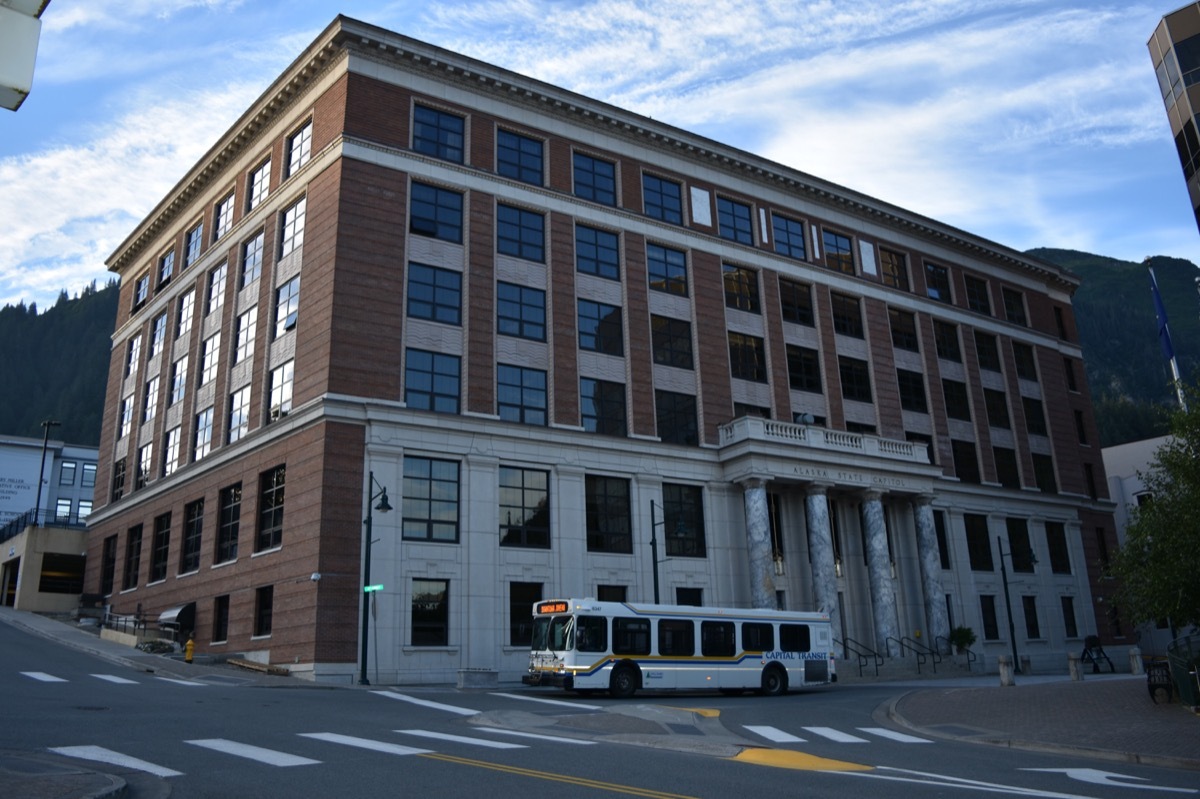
{"x": 718, "y": 645}
{"x": 677, "y": 662}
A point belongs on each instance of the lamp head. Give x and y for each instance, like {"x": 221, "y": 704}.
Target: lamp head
{"x": 383, "y": 506}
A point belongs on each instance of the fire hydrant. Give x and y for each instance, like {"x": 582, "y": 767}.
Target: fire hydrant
{"x": 188, "y": 648}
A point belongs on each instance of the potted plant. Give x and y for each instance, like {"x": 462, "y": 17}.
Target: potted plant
{"x": 961, "y": 639}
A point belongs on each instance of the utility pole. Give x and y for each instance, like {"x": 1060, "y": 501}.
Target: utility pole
{"x": 37, "y": 507}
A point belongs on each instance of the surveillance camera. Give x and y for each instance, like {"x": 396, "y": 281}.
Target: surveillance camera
{"x": 315, "y": 576}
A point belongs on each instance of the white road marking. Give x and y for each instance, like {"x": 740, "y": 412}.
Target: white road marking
{"x": 462, "y": 711}
{"x": 834, "y": 735}
{"x": 1097, "y": 777}
{"x": 364, "y": 743}
{"x": 115, "y": 678}
{"x": 774, "y": 734}
{"x": 883, "y": 732}
{"x": 545, "y": 701}
{"x": 251, "y": 752}
{"x": 101, "y": 755}
{"x": 925, "y": 778}
{"x": 558, "y": 739}
{"x": 42, "y": 676}
{"x": 192, "y": 683}
{"x": 462, "y": 739}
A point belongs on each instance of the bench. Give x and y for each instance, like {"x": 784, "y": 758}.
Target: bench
{"x": 1158, "y": 676}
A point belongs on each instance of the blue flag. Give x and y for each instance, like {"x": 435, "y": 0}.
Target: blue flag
{"x": 1164, "y": 335}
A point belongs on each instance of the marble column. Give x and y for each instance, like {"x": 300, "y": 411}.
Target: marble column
{"x": 879, "y": 570}
{"x": 820, "y": 550}
{"x": 937, "y": 618}
{"x": 758, "y": 544}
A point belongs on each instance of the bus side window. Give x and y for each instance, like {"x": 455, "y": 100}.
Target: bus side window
{"x": 794, "y": 638}
{"x": 631, "y": 637}
{"x": 591, "y": 634}
{"x": 757, "y": 637}
{"x": 716, "y": 638}
{"x": 676, "y": 637}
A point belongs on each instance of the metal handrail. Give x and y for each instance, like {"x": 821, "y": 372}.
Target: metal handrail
{"x": 863, "y": 652}
{"x": 971, "y": 656}
{"x": 923, "y": 652}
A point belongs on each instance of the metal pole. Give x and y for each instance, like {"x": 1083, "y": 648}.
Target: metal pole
{"x": 366, "y": 597}
{"x": 37, "y": 508}
{"x": 654, "y": 548}
{"x": 1012, "y": 633}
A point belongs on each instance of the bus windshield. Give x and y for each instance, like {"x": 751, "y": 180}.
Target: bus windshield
{"x": 561, "y": 635}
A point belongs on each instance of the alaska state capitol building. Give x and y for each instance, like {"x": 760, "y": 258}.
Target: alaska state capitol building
{"x": 420, "y": 323}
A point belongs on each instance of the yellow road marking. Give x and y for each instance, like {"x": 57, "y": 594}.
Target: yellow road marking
{"x": 787, "y": 758}
{"x": 706, "y": 712}
{"x": 548, "y": 775}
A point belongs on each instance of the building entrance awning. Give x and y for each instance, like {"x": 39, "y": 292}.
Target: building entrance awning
{"x": 180, "y": 617}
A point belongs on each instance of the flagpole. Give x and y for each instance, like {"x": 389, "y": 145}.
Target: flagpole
{"x": 1164, "y": 337}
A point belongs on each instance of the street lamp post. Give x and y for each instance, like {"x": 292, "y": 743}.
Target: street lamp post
{"x": 1012, "y": 633}
{"x": 37, "y": 508}
{"x": 383, "y": 507}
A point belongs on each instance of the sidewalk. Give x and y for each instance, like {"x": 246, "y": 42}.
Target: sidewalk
{"x": 1107, "y": 716}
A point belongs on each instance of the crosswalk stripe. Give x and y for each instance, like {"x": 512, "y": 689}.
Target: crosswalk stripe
{"x": 251, "y": 752}
{"x": 546, "y": 701}
{"x": 180, "y": 682}
{"x": 101, "y": 755}
{"x": 903, "y": 738}
{"x": 364, "y": 743}
{"x": 42, "y": 676}
{"x": 834, "y": 735}
{"x": 462, "y": 739}
{"x": 774, "y": 734}
{"x": 462, "y": 711}
{"x": 558, "y": 739}
{"x": 115, "y": 678}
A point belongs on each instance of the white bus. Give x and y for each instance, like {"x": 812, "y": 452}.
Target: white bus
{"x": 586, "y": 645}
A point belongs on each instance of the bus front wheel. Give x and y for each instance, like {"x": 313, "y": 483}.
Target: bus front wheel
{"x": 774, "y": 681}
{"x": 624, "y": 682}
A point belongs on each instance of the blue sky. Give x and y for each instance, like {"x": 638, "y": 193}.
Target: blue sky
{"x": 1028, "y": 122}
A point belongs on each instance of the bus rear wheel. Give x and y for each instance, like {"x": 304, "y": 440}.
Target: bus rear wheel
{"x": 774, "y": 681}
{"x": 624, "y": 682}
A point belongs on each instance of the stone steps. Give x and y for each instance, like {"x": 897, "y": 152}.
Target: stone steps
{"x": 903, "y": 668}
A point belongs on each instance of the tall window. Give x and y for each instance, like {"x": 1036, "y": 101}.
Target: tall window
{"x": 166, "y": 268}
{"x": 595, "y": 179}
{"x": 434, "y": 294}
{"x": 1035, "y": 418}
{"x": 804, "y": 369}
{"x": 675, "y": 414}
{"x": 912, "y": 391}
{"x": 1056, "y": 543}
{"x": 281, "y": 388}
{"x": 271, "y": 485}
{"x": 1043, "y": 474}
{"x": 671, "y": 340}
{"x": 893, "y": 269}
{"x": 1023, "y": 356}
{"x": 996, "y": 403}
{"x": 747, "y": 357}
{"x": 133, "y": 355}
{"x": 160, "y": 548}
{"x": 252, "y": 257}
{"x": 220, "y": 628}
{"x": 741, "y": 288}
{"x": 287, "y": 306}
{"x": 796, "y": 302}
{"x": 966, "y": 461}
{"x": 292, "y": 229}
{"x": 596, "y": 252}
{"x": 171, "y": 451}
{"x": 299, "y": 148}
{"x": 108, "y": 565}
{"x": 521, "y": 599}
{"x": 683, "y": 520}
{"x": 204, "y": 431}
{"x": 847, "y": 315}
{"x": 733, "y": 221}
{"x": 209, "y": 357}
{"x": 987, "y": 611}
{"x": 247, "y": 325}
{"x": 239, "y": 413}
{"x": 144, "y": 463}
{"x": 1019, "y": 548}
{"x": 1014, "y": 306}
{"x": 216, "y": 289}
{"x": 193, "y": 528}
{"x": 839, "y": 256}
{"x": 789, "y": 237}
{"x": 179, "y": 371}
{"x": 192, "y": 244}
{"x": 89, "y": 475}
{"x": 521, "y": 394}
{"x": 945, "y": 336}
{"x": 264, "y": 610}
{"x": 118, "y": 480}
{"x": 229, "y": 524}
{"x": 66, "y": 473}
{"x": 600, "y": 328}
{"x": 431, "y": 381}
{"x": 430, "y": 612}
{"x": 667, "y": 269}
{"x": 223, "y": 216}
{"x": 435, "y": 212}
{"x": 126, "y": 416}
{"x": 520, "y": 311}
{"x": 607, "y": 510}
{"x": 1068, "y": 611}
{"x": 856, "y": 379}
{"x": 133, "y": 557}
{"x": 602, "y": 406}
{"x": 988, "y": 351}
{"x": 519, "y": 157}
{"x": 520, "y": 233}
{"x": 979, "y": 543}
{"x": 937, "y": 283}
{"x": 1029, "y": 607}
{"x": 1069, "y": 371}
{"x": 141, "y": 290}
{"x": 1006, "y": 467}
{"x": 259, "y": 185}
{"x": 958, "y": 406}
{"x": 662, "y": 199}
{"x": 524, "y": 508}
{"x": 158, "y": 335}
{"x": 904, "y": 330}
{"x": 430, "y": 508}
{"x": 438, "y": 133}
{"x": 977, "y": 295}
{"x": 185, "y": 310}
